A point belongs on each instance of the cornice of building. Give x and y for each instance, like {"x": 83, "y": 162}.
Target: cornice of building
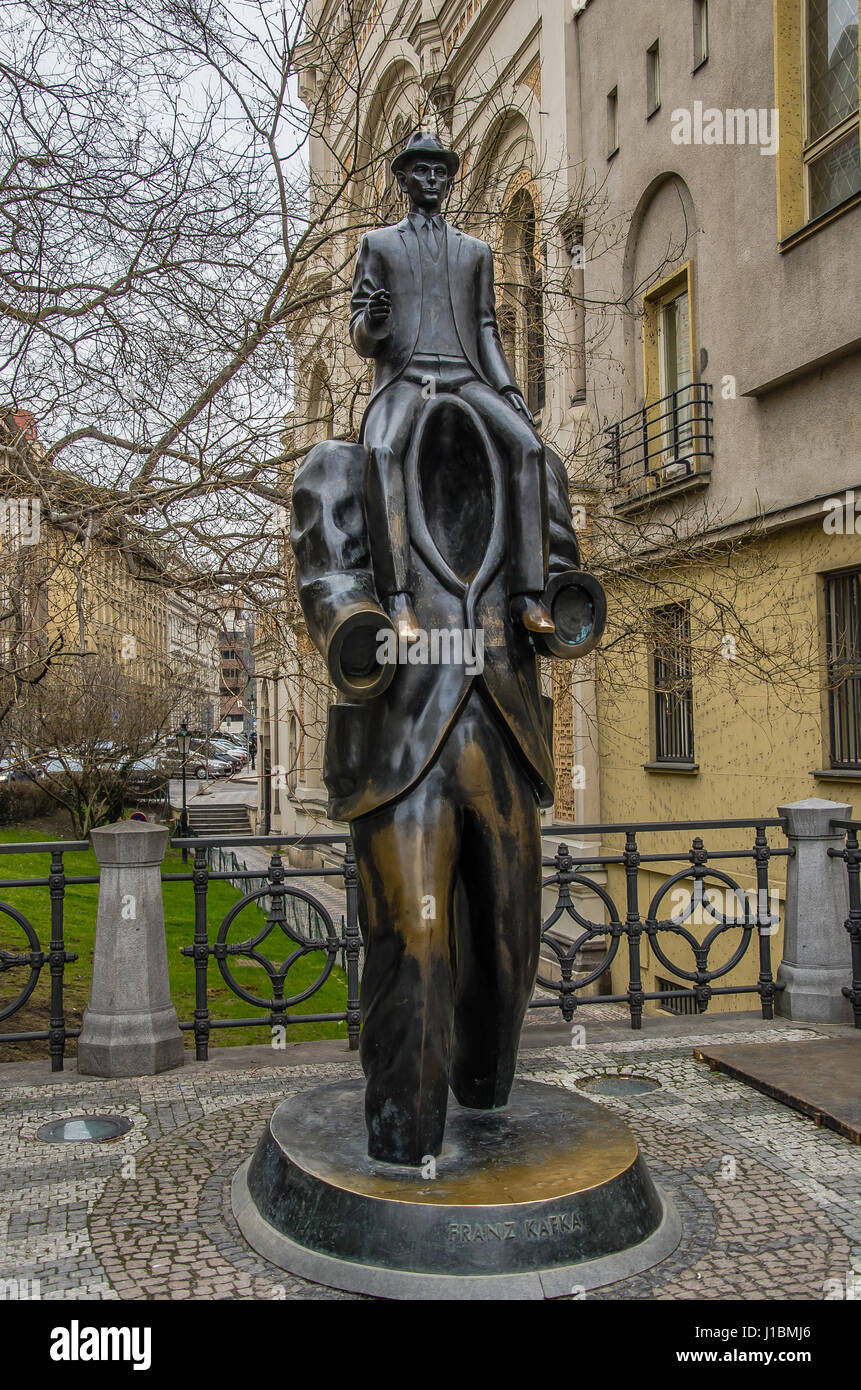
{"x": 761, "y": 523}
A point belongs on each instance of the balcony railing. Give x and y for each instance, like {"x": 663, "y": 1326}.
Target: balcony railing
{"x": 663, "y": 443}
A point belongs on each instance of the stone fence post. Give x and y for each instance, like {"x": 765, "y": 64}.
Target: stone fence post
{"x": 130, "y": 1026}
{"x": 816, "y": 950}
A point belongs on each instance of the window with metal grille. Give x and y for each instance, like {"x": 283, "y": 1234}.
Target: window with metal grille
{"x": 843, "y": 644}
{"x": 681, "y": 1004}
{"x": 831, "y": 150}
{"x": 674, "y": 691}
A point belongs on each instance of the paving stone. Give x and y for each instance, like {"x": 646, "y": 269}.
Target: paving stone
{"x": 770, "y": 1205}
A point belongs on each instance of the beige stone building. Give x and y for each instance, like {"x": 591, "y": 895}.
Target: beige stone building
{"x": 68, "y": 592}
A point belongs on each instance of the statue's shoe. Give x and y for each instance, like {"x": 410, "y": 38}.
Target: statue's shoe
{"x": 403, "y": 617}
{"x": 532, "y": 614}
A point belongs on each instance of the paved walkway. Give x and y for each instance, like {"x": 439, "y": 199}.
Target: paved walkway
{"x": 771, "y": 1205}
{"x": 238, "y": 790}
{"x": 241, "y": 790}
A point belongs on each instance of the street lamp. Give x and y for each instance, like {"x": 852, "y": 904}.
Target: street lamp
{"x": 183, "y": 737}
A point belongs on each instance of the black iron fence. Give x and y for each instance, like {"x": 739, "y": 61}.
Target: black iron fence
{"x": 735, "y": 912}
{"x": 293, "y": 913}
{"x": 694, "y": 881}
{"x": 851, "y": 856}
{"x": 38, "y": 953}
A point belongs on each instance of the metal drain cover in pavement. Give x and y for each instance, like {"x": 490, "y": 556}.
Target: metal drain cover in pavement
{"x": 82, "y": 1129}
{"x": 619, "y": 1085}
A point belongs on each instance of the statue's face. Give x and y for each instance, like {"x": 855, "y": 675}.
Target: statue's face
{"x": 426, "y": 183}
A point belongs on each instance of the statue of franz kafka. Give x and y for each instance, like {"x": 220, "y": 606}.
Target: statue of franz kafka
{"x": 436, "y": 560}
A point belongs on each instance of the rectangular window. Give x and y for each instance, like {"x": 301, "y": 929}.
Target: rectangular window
{"x": 612, "y": 121}
{"x": 843, "y": 650}
{"x": 677, "y": 420}
{"x": 653, "y": 78}
{"x": 674, "y": 343}
{"x": 831, "y": 149}
{"x": 685, "y": 1005}
{"x": 701, "y": 33}
{"x": 674, "y": 691}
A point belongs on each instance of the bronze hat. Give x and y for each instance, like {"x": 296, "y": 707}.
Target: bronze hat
{"x": 424, "y": 144}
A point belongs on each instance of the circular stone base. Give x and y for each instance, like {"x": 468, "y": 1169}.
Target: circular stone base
{"x": 546, "y": 1197}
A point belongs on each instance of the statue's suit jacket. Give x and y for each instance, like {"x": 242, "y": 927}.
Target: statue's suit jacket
{"x": 389, "y": 258}
{"x": 377, "y": 749}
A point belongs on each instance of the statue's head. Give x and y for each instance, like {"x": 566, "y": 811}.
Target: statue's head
{"x": 425, "y": 171}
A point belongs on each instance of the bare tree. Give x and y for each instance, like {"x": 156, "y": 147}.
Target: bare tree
{"x": 169, "y": 277}
{"x": 84, "y": 728}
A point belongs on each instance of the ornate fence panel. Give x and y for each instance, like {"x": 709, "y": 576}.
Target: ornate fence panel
{"x": 36, "y": 954}
{"x": 288, "y": 921}
{"x": 695, "y": 983}
{"x": 851, "y": 856}
{"x": 295, "y": 918}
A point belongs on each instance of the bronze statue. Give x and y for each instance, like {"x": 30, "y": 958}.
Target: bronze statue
{"x": 436, "y": 560}
{"x": 423, "y": 308}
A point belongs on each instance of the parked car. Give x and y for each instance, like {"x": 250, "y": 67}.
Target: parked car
{"x": 17, "y": 770}
{"x": 209, "y": 748}
{"x": 230, "y": 750}
{"x": 147, "y": 774}
{"x": 236, "y": 740}
{"x": 54, "y": 766}
{"x": 198, "y": 762}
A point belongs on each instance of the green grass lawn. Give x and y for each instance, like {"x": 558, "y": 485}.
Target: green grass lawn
{"x": 80, "y": 921}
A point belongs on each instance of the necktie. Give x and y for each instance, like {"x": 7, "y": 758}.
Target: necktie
{"x": 432, "y": 237}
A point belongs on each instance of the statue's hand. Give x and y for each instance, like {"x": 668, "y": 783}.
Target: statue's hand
{"x": 378, "y": 307}
{"x": 516, "y": 401}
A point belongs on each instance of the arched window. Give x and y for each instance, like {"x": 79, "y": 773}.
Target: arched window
{"x": 521, "y": 318}
{"x": 292, "y": 753}
{"x": 321, "y": 407}
{"x": 392, "y": 206}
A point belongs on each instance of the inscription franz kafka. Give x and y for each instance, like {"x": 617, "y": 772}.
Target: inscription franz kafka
{"x": 529, "y": 1228}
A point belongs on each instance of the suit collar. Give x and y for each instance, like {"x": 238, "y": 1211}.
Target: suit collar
{"x": 405, "y": 225}
{"x": 419, "y": 218}
{"x": 410, "y": 239}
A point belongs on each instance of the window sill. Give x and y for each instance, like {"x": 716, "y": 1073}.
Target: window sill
{"x": 838, "y": 774}
{"x": 654, "y": 111}
{"x": 817, "y": 223}
{"x": 612, "y": 154}
{"x": 701, "y": 64}
{"x": 641, "y": 496}
{"x": 686, "y": 769}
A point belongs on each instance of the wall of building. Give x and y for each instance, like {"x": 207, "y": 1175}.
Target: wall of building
{"x": 774, "y": 335}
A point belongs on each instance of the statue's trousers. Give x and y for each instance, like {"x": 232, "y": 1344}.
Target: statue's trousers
{"x": 448, "y": 971}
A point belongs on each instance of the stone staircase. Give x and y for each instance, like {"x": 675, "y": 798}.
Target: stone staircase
{"x": 206, "y": 818}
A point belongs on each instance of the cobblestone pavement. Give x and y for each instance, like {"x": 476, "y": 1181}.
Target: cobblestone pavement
{"x": 770, "y": 1205}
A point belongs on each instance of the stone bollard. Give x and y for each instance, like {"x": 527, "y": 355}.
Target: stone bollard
{"x": 816, "y": 954}
{"x": 130, "y": 1026}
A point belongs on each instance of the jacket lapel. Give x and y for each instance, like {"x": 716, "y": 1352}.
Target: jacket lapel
{"x": 411, "y": 247}
{"x": 453, "y": 241}
{"x": 461, "y": 301}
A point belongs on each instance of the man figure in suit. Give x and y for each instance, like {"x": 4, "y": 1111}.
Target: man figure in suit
{"x": 449, "y": 515}
{"x": 423, "y": 308}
